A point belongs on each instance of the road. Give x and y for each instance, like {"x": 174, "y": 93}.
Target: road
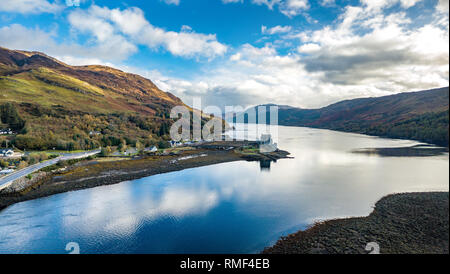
{"x": 10, "y": 178}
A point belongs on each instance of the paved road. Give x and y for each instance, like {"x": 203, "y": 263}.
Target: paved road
{"x": 10, "y": 178}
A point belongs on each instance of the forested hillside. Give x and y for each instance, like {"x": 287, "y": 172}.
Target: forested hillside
{"x": 49, "y": 104}
{"x": 421, "y": 116}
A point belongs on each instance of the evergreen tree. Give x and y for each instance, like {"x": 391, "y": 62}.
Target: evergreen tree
{"x": 10, "y": 116}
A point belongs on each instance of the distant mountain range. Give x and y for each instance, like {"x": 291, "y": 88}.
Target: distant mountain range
{"x": 50, "y": 104}
{"x": 421, "y": 116}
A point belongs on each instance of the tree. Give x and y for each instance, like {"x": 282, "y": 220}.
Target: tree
{"x": 163, "y": 130}
{"x": 163, "y": 144}
{"x": 10, "y": 116}
{"x": 43, "y": 156}
{"x": 22, "y": 164}
{"x": 123, "y": 146}
{"x": 106, "y": 151}
{"x": 3, "y": 163}
{"x": 139, "y": 146}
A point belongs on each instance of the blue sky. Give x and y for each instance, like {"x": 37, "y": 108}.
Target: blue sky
{"x": 245, "y": 52}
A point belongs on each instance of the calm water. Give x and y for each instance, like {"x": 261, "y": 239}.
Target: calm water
{"x": 233, "y": 207}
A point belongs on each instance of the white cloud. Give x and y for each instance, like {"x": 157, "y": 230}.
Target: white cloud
{"x": 113, "y": 36}
{"x": 30, "y": 6}
{"x": 408, "y": 3}
{"x": 327, "y": 2}
{"x": 235, "y": 57}
{"x": 275, "y": 30}
{"x": 368, "y": 52}
{"x": 376, "y": 5}
{"x": 251, "y": 76}
{"x": 232, "y": 1}
{"x": 172, "y": 2}
{"x": 309, "y": 48}
{"x": 122, "y": 26}
{"x": 292, "y": 8}
{"x": 388, "y": 55}
{"x": 16, "y": 36}
{"x": 289, "y": 8}
{"x": 269, "y": 3}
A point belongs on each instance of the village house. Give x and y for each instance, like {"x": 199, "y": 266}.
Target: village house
{"x": 7, "y": 152}
{"x": 266, "y": 144}
{"x": 94, "y": 133}
{"x": 6, "y": 131}
{"x": 6, "y": 171}
{"x": 151, "y": 149}
{"x": 175, "y": 144}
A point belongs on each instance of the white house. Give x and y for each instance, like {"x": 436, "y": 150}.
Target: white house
{"x": 175, "y": 144}
{"x": 151, "y": 149}
{"x": 266, "y": 144}
{"x": 265, "y": 139}
{"x": 6, "y": 131}
{"x": 6, "y": 171}
{"x": 6, "y": 152}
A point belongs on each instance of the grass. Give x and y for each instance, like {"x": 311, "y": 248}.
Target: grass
{"x": 49, "y": 152}
{"x": 249, "y": 151}
{"x": 177, "y": 149}
{"x": 66, "y": 81}
{"x": 48, "y": 168}
{"x": 37, "y": 92}
{"x": 112, "y": 159}
{"x": 48, "y": 88}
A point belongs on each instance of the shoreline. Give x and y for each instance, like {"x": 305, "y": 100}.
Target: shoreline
{"x": 97, "y": 173}
{"x": 406, "y": 223}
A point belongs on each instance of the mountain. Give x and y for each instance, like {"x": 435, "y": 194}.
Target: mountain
{"x": 421, "y": 116}
{"x": 31, "y": 76}
{"x": 79, "y": 107}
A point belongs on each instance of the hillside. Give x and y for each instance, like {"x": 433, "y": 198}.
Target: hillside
{"x": 421, "y": 115}
{"x": 79, "y": 107}
{"x": 31, "y": 76}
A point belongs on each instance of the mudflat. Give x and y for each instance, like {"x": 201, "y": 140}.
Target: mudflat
{"x": 95, "y": 173}
{"x": 407, "y": 223}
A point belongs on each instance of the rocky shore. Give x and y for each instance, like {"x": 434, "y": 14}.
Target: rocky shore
{"x": 407, "y": 223}
{"x": 95, "y": 173}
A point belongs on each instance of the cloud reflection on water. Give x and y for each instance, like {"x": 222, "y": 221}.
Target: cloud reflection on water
{"x": 230, "y": 207}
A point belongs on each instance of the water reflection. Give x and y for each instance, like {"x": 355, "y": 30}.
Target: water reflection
{"x": 265, "y": 164}
{"x": 412, "y": 151}
{"x": 237, "y": 207}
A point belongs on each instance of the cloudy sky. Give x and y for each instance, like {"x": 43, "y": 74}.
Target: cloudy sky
{"x": 302, "y": 53}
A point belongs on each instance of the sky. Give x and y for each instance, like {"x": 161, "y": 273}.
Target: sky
{"x": 302, "y": 53}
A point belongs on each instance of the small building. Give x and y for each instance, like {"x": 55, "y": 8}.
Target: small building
{"x": 6, "y": 171}
{"x": 130, "y": 151}
{"x": 265, "y": 139}
{"x": 175, "y": 143}
{"x": 266, "y": 144}
{"x": 6, "y": 152}
{"x": 94, "y": 133}
{"x": 6, "y": 131}
{"x": 152, "y": 149}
